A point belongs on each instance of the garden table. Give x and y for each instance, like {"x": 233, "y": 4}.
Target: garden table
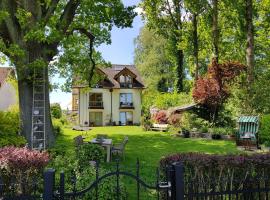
{"x": 105, "y": 143}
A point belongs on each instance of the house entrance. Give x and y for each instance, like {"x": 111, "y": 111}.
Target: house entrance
{"x": 95, "y": 119}
{"x": 126, "y": 118}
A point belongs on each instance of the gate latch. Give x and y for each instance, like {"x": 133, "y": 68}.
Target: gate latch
{"x": 164, "y": 185}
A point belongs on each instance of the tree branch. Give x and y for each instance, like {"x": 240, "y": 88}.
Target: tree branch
{"x": 68, "y": 15}
{"x": 91, "y": 44}
{"x": 49, "y": 12}
{"x": 12, "y": 28}
{"x": 171, "y": 15}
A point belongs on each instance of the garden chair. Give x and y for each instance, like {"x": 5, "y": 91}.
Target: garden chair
{"x": 119, "y": 149}
{"x": 78, "y": 140}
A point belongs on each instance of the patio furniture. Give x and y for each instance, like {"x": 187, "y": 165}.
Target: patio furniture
{"x": 78, "y": 140}
{"x": 247, "y": 134}
{"x": 107, "y": 143}
{"x": 119, "y": 149}
{"x": 159, "y": 127}
{"x": 102, "y": 136}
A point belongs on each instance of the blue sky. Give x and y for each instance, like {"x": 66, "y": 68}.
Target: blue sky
{"x": 120, "y": 51}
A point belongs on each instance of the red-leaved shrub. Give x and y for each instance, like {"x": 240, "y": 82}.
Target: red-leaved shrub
{"x": 23, "y": 159}
{"x": 161, "y": 117}
{"x": 21, "y": 165}
{"x": 204, "y": 171}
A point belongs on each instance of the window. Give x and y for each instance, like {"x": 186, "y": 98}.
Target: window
{"x": 126, "y": 118}
{"x": 95, "y": 100}
{"x": 125, "y": 81}
{"x": 126, "y": 99}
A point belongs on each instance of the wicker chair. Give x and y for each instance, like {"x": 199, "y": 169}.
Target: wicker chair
{"x": 119, "y": 149}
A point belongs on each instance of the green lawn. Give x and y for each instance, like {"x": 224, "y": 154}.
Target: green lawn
{"x": 148, "y": 147}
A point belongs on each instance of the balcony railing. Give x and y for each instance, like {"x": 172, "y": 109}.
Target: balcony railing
{"x": 96, "y": 104}
{"x": 126, "y": 85}
{"x": 126, "y": 105}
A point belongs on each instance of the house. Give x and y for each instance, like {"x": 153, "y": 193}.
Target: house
{"x": 8, "y": 96}
{"x": 115, "y": 100}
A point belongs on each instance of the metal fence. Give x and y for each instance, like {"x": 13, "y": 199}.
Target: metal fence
{"x": 170, "y": 185}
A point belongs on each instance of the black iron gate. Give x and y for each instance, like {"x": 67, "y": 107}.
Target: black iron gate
{"x": 162, "y": 186}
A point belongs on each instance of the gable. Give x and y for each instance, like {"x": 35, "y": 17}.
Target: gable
{"x": 125, "y": 72}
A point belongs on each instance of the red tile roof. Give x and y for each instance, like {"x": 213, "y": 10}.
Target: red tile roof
{"x": 4, "y": 73}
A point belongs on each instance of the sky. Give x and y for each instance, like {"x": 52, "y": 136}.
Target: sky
{"x": 120, "y": 51}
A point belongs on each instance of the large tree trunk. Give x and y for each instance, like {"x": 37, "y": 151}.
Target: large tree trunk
{"x": 195, "y": 45}
{"x": 250, "y": 41}
{"x": 215, "y": 30}
{"x": 25, "y": 85}
{"x": 180, "y": 70}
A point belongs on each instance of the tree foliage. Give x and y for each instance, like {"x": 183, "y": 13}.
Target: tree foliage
{"x": 56, "y": 110}
{"x": 213, "y": 89}
{"x": 151, "y": 52}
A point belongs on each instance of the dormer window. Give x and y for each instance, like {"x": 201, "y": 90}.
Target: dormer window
{"x": 125, "y": 81}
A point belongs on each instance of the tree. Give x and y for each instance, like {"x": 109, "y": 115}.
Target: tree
{"x": 196, "y": 8}
{"x": 34, "y": 33}
{"x": 56, "y": 110}
{"x": 165, "y": 18}
{"x": 215, "y": 30}
{"x": 250, "y": 41}
{"x": 153, "y": 62}
{"x": 212, "y": 90}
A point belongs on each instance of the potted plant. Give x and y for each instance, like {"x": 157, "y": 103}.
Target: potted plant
{"x": 185, "y": 133}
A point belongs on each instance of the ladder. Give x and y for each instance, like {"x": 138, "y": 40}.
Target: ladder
{"x": 38, "y": 135}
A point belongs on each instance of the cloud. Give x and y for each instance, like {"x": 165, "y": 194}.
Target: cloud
{"x": 139, "y": 10}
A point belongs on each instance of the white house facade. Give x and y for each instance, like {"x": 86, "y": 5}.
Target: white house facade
{"x": 7, "y": 91}
{"x": 116, "y": 99}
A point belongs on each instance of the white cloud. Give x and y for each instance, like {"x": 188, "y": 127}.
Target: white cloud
{"x": 138, "y": 10}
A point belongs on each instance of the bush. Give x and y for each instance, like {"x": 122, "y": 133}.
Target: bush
{"x": 23, "y": 165}
{"x": 57, "y": 127}
{"x": 106, "y": 188}
{"x": 225, "y": 170}
{"x": 161, "y": 117}
{"x": 10, "y": 121}
{"x": 264, "y": 132}
{"x": 56, "y": 111}
{"x": 10, "y": 127}
{"x": 86, "y": 176}
{"x": 12, "y": 140}
{"x": 175, "y": 120}
{"x": 89, "y": 152}
{"x": 146, "y": 122}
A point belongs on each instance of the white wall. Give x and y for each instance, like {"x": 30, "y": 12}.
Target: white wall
{"x": 7, "y": 96}
{"x": 106, "y": 112}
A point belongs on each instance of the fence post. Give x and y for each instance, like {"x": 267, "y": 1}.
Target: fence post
{"x": 49, "y": 176}
{"x": 62, "y": 186}
{"x": 178, "y": 187}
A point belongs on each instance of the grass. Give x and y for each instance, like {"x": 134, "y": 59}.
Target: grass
{"x": 149, "y": 147}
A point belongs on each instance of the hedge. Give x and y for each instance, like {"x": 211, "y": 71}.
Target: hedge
{"x": 202, "y": 172}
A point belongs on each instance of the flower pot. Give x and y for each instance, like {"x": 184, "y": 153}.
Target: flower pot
{"x": 216, "y": 136}
{"x": 186, "y": 133}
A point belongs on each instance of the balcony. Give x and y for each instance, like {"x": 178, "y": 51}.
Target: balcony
{"x": 126, "y": 85}
{"x": 96, "y": 105}
{"x": 126, "y": 105}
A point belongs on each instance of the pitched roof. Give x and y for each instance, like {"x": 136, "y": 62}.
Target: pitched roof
{"x": 4, "y": 73}
{"x": 112, "y": 73}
